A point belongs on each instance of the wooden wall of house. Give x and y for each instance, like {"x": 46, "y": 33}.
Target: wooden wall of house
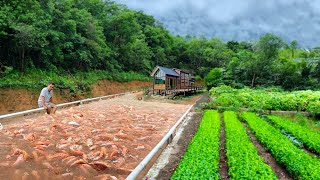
{"x": 172, "y": 78}
{"x": 183, "y": 80}
{"x": 159, "y": 87}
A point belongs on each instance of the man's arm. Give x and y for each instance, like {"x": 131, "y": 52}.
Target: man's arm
{"x": 43, "y": 103}
{"x": 50, "y": 100}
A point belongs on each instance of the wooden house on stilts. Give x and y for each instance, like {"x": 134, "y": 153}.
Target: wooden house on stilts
{"x": 172, "y": 81}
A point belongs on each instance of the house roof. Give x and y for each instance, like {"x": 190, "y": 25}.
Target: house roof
{"x": 181, "y": 70}
{"x": 167, "y": 71}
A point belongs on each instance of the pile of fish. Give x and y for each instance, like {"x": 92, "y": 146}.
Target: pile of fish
{"x": 100, "y": 140}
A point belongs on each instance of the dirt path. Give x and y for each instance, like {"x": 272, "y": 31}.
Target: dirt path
{"x": 223, "y": 166}
{"x": 178, "y": 150}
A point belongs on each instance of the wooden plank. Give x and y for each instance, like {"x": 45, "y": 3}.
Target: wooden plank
{"x": 160, "y": 86}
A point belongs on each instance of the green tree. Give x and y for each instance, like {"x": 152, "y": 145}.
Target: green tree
{"x": 178, "y": 53}
{"x": 137, "y": 57}
{"x": 123, "y": 32}
{"x": 22, "y": 30}
{"x": 195, "y": 53}
{"x": 293, "y": 47}
{"x": 246, "y": 67}
{"x": 159, "y": 40}
{"x": 267, "y": 50}
{"x": 216, "y": 53}
{"x": 214, "y": 78}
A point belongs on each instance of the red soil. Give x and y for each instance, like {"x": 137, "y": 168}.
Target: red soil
{"x": 15, "y": 99}
{"x": 101, "y": 139}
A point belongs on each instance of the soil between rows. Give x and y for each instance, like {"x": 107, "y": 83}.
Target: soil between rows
{"x": 189, "y": 131}
{"x": 280, "y": 171}
{"x": 223, "y": 166}
{"x": 182, "y": 144}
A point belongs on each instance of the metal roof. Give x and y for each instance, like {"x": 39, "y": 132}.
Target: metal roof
{"x": 167, "y": 71}
{"x": 181, "y": 70}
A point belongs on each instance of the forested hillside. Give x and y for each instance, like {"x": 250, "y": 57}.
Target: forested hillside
{"x": 97, "y": 39}
{"x": 79, "y": 35}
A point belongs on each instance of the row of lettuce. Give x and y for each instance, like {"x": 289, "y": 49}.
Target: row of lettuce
{"x": 201, "y": 160}
{"x": 228, "y": 98}
{"x": 298, "y": 163}
{"x": 244, "y": 161}
{"x": 309, "y": 138}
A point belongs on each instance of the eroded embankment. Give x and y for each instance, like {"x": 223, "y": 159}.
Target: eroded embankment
{"x": 17, "y": 99}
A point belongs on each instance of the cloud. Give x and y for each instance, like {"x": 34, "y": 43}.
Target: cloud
{"x": 237, "y": 20}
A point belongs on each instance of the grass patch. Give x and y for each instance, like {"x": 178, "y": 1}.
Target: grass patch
{"x": 78, "y": 83}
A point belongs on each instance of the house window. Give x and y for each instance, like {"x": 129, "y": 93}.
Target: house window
{"x": 160, "y": 77}
{"x": 159, "y": 81}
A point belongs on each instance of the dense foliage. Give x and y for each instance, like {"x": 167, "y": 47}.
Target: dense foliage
{"x": 78, "y": 35}
{"x": 269, "y": 61}
{"x": 298, "y": 163}
{"x": 308, "y": 137}
{"x": 226, "y": 97}
{"x": 243, "y": 159}
{"x": 86, "y": 35}
{"x": 201, "y": 160}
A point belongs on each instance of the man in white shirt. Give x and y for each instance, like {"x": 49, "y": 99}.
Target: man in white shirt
{"x": 45, "y": 99}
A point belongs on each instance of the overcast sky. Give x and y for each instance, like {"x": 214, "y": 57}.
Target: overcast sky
{"x": 240, "y": 20}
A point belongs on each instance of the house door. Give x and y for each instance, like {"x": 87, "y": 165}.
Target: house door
{"x": 170, "y": 83}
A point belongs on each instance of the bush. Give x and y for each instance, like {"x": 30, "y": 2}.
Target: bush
{"x": 220, "y": 90}
{"x": 214, "y": 78}
{"x": 265, "y": 99}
